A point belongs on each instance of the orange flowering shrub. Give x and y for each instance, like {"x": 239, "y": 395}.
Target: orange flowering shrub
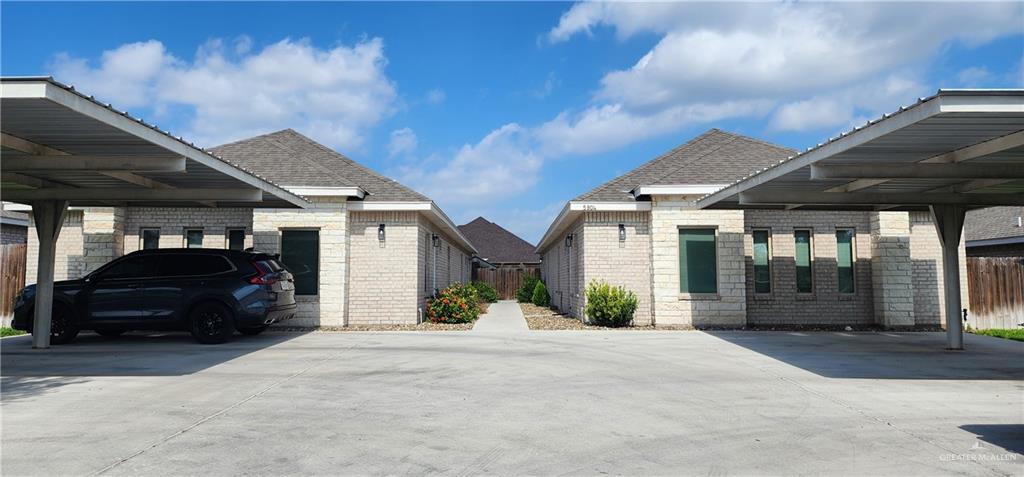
{"x": 455, "y": 304}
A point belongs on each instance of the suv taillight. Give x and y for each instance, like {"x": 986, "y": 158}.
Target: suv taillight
{"x": 261, "y": 277}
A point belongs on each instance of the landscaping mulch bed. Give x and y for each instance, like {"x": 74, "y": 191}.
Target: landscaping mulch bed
{"x": 541, "y": 318}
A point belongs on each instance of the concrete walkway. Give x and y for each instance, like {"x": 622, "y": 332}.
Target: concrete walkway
{"x": 504, "y": 316}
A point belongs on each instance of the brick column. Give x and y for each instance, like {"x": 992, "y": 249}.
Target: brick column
{"x": 892, "y": 269}
{"x": 102, "y": 236}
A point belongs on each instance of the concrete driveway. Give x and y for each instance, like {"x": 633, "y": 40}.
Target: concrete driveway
{"x": 537, "y": 403}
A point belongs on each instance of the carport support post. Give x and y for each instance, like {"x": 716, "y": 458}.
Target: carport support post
{"x": 949, "y": 223}
{"x": 49, "y": 218}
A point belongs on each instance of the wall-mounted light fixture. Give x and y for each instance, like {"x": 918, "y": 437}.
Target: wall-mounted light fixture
{"x": 435, "y": 240}
{"x": 568, "y": 241}
{"x": 622, "y": 232}
{"x": 380, "y": 232}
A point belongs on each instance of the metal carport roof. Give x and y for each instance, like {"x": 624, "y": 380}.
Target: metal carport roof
{"x": 951, "y": 152}
{"x": 59, "y": 142}
{"x": 62, "y": 148}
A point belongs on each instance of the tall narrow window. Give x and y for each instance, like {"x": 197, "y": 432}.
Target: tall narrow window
{"x": 802, "y": 256}
{"x": 236, "y": 239}
{"x": 762, "y": 262}
{"x": 194, "y": 238}
{"x": 844, "y": 259}
{"x": 698, "y": 270}
{"x": 300, "y": 252}
{"x": 150, "y": 239}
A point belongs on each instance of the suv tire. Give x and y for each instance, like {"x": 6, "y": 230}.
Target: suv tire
{"x": 211, "y": 323}
{"x": 63, "y": 328}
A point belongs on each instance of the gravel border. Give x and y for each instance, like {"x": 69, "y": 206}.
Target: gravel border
{"x": 426, "y": 326}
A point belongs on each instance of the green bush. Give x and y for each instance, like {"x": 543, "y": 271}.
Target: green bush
{"x": 484, "y": 291}
{"x": 524, "y": 294}
{"x": 455, "y": 304}
{"x": 608, "y": 305}
{"x": 540, "y": 295}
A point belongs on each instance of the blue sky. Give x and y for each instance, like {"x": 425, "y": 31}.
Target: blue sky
{"x": 507, "y": 110}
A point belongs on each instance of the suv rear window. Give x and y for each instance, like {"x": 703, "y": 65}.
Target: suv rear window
{"x": 269, "y": 265}
{"x": 181, "y": 265}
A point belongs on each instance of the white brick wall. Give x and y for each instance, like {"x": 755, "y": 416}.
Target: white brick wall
{"x": 825, "y": 305}
{"x": 69, "y": 261}
{"x": 383, "y": 276}
{"x": 926, "y": 256}
{"x": 620, "y": 263}
{"x": 173, "y": 222}
{"x": 562, "y": 271}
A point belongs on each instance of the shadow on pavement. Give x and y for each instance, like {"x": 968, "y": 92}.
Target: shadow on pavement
{"x": 884, "y": 355}
{"x": 26, "y": 372}
{"x": 1007, "y": 436}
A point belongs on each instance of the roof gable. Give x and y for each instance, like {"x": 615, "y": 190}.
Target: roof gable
{"x": 715, "y": 157}
{"x": 497, "y": 245}
{"x": 298, "y": 161}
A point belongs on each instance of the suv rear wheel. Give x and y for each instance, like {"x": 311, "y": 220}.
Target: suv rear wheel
{"x": 211, "y": 323}
{"x": 63, "y": 328}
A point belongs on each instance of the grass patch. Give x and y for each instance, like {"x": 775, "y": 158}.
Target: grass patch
{"x": 1014, "y": 334}
{"x": 8, "y": 331}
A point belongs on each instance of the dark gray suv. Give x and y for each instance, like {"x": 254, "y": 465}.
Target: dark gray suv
{"x": 208, "y": 292}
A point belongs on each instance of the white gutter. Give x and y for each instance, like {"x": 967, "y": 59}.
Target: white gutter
{"x": 572, "y": 209}
{"x": 689, "y": 189}
{"x": 429, "y": 208}
{"x": 356, "y": 192}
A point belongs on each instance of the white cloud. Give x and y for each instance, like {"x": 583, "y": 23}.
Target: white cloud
{"x": 403, "y": 141}
{"x": 846, "y": 108}
{"x": 973, "y": 76}
{"x": 335, "y": 95}
{"x": 502, "y": 165}
{"x": 436, "y": 96}
{"x": 607, "y": 127}
{"x": 823, "y": 64}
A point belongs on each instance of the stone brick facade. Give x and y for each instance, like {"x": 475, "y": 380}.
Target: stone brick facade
{"x": 897, "y": 267}
{"x": 361, "y": 281}
{"x": 824, "y": 305}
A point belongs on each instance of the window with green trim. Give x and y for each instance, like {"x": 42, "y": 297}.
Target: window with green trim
{"x": 844, "y": 260}
{"x": 300, "y": 252}
{"x": 698, "y": 269}
{"x": 762, "y": 262}
{"x": 802, "y": 257}
{"x": 194, "y": 238}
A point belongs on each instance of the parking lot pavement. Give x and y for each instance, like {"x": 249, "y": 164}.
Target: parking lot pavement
{"x": 638, "y": 403}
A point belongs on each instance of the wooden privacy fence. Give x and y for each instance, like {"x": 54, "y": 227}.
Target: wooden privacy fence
{"x": 505, "y": 280}
{"x": 12, "y": 272}
{"x": 997, "y": 292}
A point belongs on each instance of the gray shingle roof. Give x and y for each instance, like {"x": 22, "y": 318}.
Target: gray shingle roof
{"x": 992, "y": 223}
{"x": 497, "y": 245}
{"x": 294, "y": 160}
{"x": 715, "y": 157}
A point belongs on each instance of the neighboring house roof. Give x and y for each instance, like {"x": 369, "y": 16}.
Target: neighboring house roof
{"x": 994, "y": 223}
{"x": 497, "y": 245}
{"x": 715, "y": 157}
{"x": 295, "y": 160}
{"x": 17, "y": 219}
